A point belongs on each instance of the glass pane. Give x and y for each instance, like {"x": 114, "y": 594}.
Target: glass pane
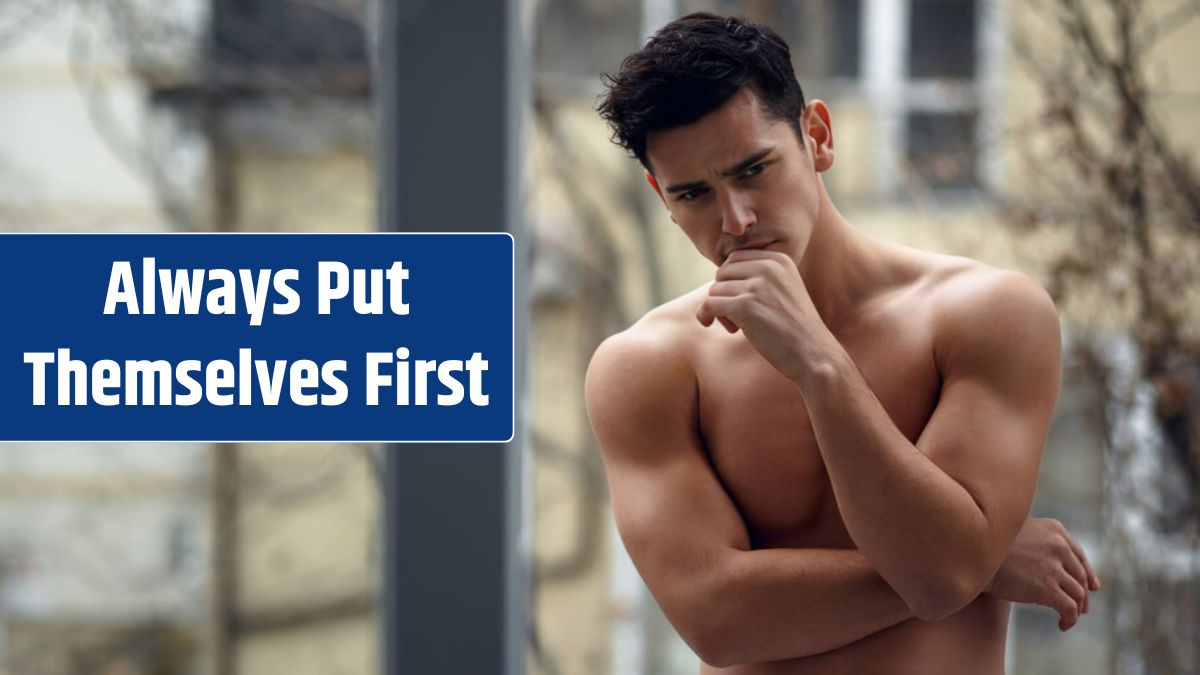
{"x": 290, "y": 33}
{"x": 941, "y": 149}
{"x": 846, "y": 48}
{"x": 581, "y": 38}
{"x": 942, "y": 39}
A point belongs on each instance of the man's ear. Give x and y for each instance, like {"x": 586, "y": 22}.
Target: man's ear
{"x": 816, "y": 126}
{"x": 654, "y": 184}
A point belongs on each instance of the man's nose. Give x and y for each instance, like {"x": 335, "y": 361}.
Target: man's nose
{"x": 737, "y": 214}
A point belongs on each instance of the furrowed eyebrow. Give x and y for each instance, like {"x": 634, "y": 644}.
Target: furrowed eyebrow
{"x": 732, "y": 171}
{"x": 747, "y": 163}
{"x": 685, "y": 186}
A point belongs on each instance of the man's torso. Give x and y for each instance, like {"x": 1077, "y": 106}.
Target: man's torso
{"x": 761, "y": 445}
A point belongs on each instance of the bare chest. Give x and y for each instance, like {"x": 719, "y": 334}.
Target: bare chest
{"x": 759, "y": 436}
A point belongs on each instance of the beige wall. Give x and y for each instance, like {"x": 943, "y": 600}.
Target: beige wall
{"x": 307, "y": 516}
{"x": 283, "y": 192}
{"x": 348, "y": 646}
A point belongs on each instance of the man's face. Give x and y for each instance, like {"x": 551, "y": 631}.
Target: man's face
{"x": 738, "y": 178}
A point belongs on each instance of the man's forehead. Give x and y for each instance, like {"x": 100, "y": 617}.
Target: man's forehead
{"x": 714, "y": 142}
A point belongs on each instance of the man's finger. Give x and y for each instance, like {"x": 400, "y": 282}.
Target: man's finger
{"x": 718, "y": 308}
{"x": 1093, "y": 582}
{"x": 730, "y": 287}
{"x": 740, "y": 269}
{"x": 1075, "y": 590}
{"x": 1074, "y": 564}
{"x": 1068, "y": 611}
{"x": 742, "y": 254}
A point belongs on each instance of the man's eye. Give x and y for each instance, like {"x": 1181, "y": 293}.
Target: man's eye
{"x": 692, "y": 195}
{"x": 754, "y": 170}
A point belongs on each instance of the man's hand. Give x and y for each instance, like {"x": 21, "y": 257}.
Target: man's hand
{"x": 1046, "y": 566}
{"x": 762, "y": 294}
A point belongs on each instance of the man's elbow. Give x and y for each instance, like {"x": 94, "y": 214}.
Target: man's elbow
{"x": 712, "y": 643}
{"x": 715, "y": 654}
{"x": 710, "y": 622}
{"x": 942, "y": 595}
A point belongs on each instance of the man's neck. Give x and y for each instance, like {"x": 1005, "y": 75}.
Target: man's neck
{"x": 842, "y": 266}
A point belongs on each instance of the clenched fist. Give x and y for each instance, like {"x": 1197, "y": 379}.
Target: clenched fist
{"x": 762, "y": 294}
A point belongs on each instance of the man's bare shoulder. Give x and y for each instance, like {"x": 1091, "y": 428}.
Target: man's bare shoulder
{"x": 666, "y": 333}
{"x": 974, "y": 305}
{"x": 647, "y": 369}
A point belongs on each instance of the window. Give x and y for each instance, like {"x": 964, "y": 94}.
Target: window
{"x": 846, "y": 47}
{"x": 941, "y": 149}
{"x": 930, "y": 76}
{"x": 290, "y": 33}
{"x": 941, "y": 39}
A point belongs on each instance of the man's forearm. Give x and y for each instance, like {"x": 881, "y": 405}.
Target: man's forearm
{"x": 775, "y": 604}
{"x": 918, "y": 527}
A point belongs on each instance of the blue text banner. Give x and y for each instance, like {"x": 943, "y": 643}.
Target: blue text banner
{"x": 257, "y": 337}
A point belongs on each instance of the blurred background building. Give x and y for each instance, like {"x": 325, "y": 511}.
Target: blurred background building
{"x": 1055, "y": 137}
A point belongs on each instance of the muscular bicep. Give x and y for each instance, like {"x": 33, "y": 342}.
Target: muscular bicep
{"x": 672, "y": 513}
{"x": 1000, "y": 358}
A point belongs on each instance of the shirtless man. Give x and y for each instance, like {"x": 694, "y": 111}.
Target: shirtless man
{"x": 822, "y": 461}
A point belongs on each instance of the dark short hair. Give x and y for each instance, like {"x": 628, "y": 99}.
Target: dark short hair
{"x": 691, "y": 67}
